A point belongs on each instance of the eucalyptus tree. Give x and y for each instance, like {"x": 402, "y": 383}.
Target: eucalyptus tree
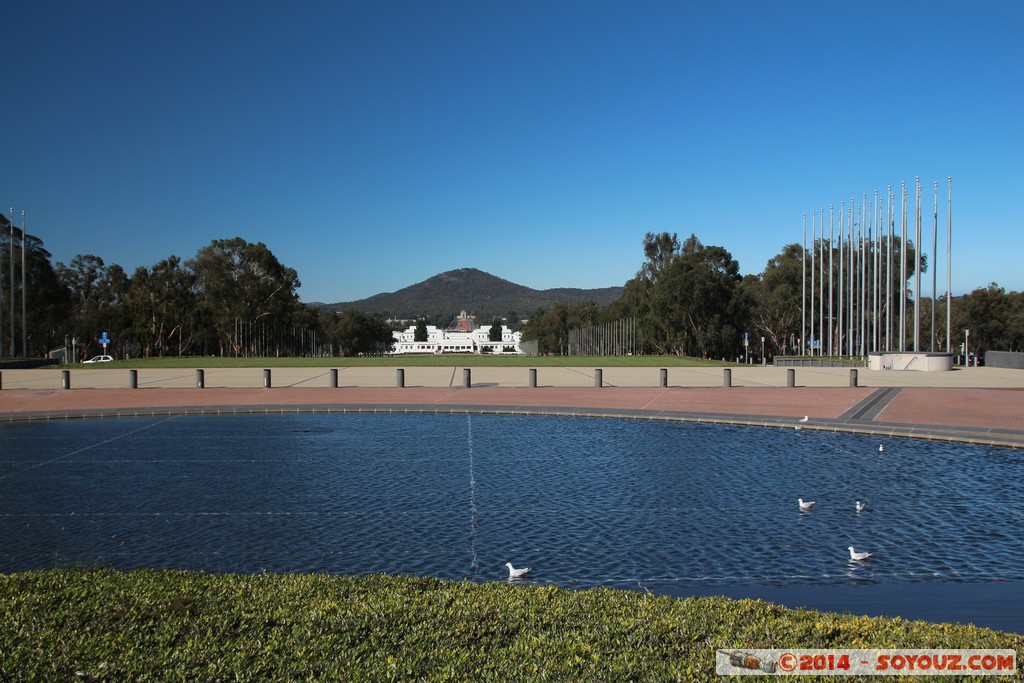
{"x": 774, "y": 297}
{"x": 549, "y": 328}
{"x": 96, "y": 292}
{"x": 162, "y": 303}
{"x": 354, "y": 333}
{"x": 44, "y": 299}
{"x": 992, "y": 316}
{"x": 238, "y": 282}
{"x": 686, "y": 298}
{"x": 638, "y": 294}
{"x": 699, "y": 302}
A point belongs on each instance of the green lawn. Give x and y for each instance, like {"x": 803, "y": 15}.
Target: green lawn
{"x": 101, "y": 625}
{"x": 415, "y": 360}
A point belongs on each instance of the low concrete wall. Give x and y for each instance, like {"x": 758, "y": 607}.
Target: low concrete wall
{"x": 1004, "y": 359}
{"x": 908, "y": 360}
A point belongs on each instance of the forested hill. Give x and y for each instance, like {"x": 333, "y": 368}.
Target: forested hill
{"x": 474, "y": 291}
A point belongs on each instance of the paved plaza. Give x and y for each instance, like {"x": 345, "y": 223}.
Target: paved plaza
{"x": 974, "y": 405}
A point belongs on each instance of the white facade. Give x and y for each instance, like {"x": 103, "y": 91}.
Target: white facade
{"x": 450, "y": 341}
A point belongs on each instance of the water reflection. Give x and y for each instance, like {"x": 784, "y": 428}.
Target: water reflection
{"x": 633, "y": 504}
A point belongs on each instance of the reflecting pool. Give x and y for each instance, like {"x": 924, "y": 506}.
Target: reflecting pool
{"x": 672, "y": 508}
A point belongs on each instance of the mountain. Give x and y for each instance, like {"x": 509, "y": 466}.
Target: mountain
{"x": 474, "y": 291}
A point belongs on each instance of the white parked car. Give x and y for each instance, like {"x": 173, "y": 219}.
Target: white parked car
{"x": 99, "y": 359}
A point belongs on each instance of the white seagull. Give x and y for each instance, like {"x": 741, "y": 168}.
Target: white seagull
{"x": 805, "y": 504}
{"x": 514, "y": 573}
{"x": 860, "y": 506}
{"x": 803, "y": 419}
{"x": 881, "y": 448}
{"x": 854, "y": 555}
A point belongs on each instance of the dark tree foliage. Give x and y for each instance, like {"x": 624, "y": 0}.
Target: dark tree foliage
{"x": 420, "y": 333}
{"x": 994, "y": 317}
{"x": 44, "y": 299}
{"x": 96, "y": 294}
{"x": 494, "y": 334}
{"x": 551, "y": 328}
{"x": 686, "y": 298}
{"x": 239, "y": 281}
{"x": 355, "y": 333}
{"x": 161, "y": 302}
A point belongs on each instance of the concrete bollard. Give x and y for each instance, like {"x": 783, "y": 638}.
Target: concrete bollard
{"x": 853, "y": 377}
{"x": 727, "y": 378}
{"x": 533, "y": 378}
{"x": 65, "y": 379}
{"x": 334, "y": 378}
{"x": 790, "y": 377}
{"x": 598, "y": 378}
{"x": 466, "y": 378}
{"x": 266, "y": 378}
{"x": 664, "y": 377}
{"x": 200, "y": 379}
{"x": 400, "y": 378}
{"x": 133, "y": 379}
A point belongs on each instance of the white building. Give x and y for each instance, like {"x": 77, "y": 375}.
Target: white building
{"x": 451, "y": 341}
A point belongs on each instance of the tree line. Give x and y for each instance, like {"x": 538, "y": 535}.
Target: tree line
{"x": 231, "y": 298}
{"x": 235, "y": 298}
{"x": 690, "y": 299}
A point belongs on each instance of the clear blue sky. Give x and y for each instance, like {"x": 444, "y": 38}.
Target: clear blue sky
{"x": 371, "y": 145}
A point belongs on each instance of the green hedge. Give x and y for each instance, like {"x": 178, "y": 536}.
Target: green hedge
{"x": 92, "y": 625}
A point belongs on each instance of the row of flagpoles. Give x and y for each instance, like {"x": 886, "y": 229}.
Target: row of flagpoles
{"x": 856, "y": 311}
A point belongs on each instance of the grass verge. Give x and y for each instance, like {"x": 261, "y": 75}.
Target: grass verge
{"x": 413, "y": 360}
{"x": 89, "y": 625}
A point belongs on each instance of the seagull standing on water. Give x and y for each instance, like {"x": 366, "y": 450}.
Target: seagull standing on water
{"x": 881, "y": 448}
{"x": 514, "y": 573}
{"x": 860, "y": 506}
{"x": 805, "y": 504}
{"x": 854, "y": 555}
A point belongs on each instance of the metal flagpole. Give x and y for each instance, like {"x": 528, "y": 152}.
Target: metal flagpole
{"x": 813, "y": 215}
{"x": 821, "y": 286}
{"x": 869, "y": 210}
{"x": 903, "y": 272}
{"x": 869, "y": 283}
{"x": 917, "y": 269}
{"x": 861, "y": 273}
{"x": 831, "y": 237}
{"x": 888, "y": 273}
{"x": 876, "y": 281}
{"x": 10, "y": 258}
{"x": 840, "y": 292}
{"x": 855, "y": 305}
{"x": 851, "y": 277}
{"x": 949, "y": 262}
{"x": 935, "y": 260}
{"x": 24, "y": 294}
{"x": 803, "y": 297}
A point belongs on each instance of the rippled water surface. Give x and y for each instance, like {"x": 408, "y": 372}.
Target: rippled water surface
{"x": 673, "y": 508}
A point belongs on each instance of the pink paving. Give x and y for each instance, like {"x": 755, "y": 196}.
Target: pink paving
{"x": 993, "y": 416}
{"x": 962, "y": 407}
{"x": 794, "y": 402}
